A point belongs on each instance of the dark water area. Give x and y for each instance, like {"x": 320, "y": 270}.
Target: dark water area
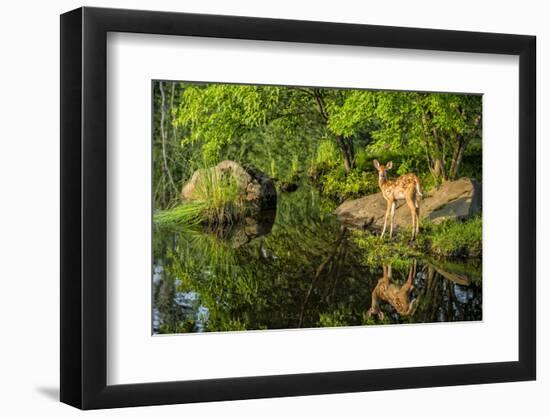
{"x": 296, "y": 267}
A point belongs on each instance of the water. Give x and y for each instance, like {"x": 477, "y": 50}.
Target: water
{"x": 298, "y": 268}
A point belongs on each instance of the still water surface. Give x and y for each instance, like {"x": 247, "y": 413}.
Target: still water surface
{"x": 296, "y": 267}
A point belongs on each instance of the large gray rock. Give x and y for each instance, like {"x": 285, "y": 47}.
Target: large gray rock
{"x": 257, "y": 189}
{"x": 452, "y": 200}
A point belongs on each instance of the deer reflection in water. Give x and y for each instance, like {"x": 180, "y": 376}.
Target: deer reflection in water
{"x": 398, "y": 296}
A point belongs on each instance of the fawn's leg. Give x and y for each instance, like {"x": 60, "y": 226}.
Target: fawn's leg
{"x": 409, "y": 284}
{"x": 417, "y": 213}
{"x": 391, "y": 218}
{"x": 417, "y": 218}
{"x": 412, "y": 208}
{"x": 388, "y": 206}
{"x": 374, "y": 308}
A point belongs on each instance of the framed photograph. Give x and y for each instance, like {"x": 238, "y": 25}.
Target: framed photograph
{"x": 257, "y": 208}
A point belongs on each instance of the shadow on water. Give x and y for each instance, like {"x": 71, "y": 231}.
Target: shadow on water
{"x": 297, "y": 267}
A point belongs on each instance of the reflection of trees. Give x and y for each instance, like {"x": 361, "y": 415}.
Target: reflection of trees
{"x": 315, "y": 267}
{"x": 439, "y": 295}
{"x": 306, "y": 272}
{"x": 330, "y": 266}
{"x": 447, "y": 296}
{"x": 304, "y": 268}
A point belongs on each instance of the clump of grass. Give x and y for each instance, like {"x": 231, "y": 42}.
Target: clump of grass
{"x": 458, "y": 238}
{"x": 222, "y": 197}
{"x": 185, "y": 214}
{"x": 217, "y": 200}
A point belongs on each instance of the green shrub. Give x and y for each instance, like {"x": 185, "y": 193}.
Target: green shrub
{"x": 376, "y": 251}
{"x": 339, "y": 185}
{"x": 451, "y": 239}
{"x": 405, "y": 167}
{"x": 458, "y": 238}
{"x": 334, "y": 318}
{"x": 363, "y": 160}
{"x": 327, "y": 156}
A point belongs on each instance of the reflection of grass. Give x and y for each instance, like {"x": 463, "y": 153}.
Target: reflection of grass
{"x": 209, "y": 266}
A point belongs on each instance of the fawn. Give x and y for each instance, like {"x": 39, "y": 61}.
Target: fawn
{"x": 406, "y": 187}
{"x": 397, "y": 296}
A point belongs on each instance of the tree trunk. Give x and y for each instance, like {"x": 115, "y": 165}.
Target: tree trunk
{"x": 435, "y": 154}
{"x": 163, "y": 139}
{"x": 345, "y": 144}
{"x": 438, "y": 169}
{"x": 458, "y": 154}
{"x": 348, "y": 153}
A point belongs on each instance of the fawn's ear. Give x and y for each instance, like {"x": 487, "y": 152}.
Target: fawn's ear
{"x": 389, "y": 165}
{"x": 376, "y": 164}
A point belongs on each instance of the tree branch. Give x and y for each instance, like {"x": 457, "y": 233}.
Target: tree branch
{"x": 163, "y": 138}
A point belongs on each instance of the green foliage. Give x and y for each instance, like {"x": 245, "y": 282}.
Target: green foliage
{"x": 307, "y": 270}
{"x": 363, "y": 160}
{"x": 217, "y": 114}
{"x": 334, "y": 318}
{"x": 376, "y": 251}
{"x": 288, "y": 131}
{"x": 327, "y": 156}
{"x": 451, "y": 239}
{"x": 435, "y": 127}
{"x": 220, "y": 115}
{"x": 295, "y": 166}
{"x": 457, "y": 238}
{"x": 339, "y": 186}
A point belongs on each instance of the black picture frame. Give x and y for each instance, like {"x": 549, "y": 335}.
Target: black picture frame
{"x": 84, "y": 207}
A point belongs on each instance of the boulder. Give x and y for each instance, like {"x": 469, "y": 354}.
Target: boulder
{"x": 452, "y": 200}
{"x": 257, "y": 189}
